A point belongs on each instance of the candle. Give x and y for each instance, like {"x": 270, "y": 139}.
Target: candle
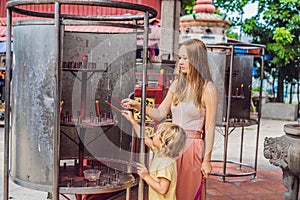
{"x": 84, "y": 62}
{"x": 97, "y": 108}
{"x": 237, "y": 92}
{"x": 242, "y": 90}
{"x": 61, "y": 107}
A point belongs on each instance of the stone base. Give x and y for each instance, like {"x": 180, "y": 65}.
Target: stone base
{"x": 279, "y": 111}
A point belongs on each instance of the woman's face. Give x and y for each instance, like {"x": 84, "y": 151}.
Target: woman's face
{"x": 183, "y": 60}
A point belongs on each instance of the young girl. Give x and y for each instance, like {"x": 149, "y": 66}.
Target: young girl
{"x": 166, "y": 143}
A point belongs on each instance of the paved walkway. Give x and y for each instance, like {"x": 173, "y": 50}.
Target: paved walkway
{"x": 266, "y": 186}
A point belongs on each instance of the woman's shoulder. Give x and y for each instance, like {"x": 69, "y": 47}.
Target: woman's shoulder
{"x": 210, "y": 87}
{"x": 173, "y": 85}
{"x": 174, "y": 82}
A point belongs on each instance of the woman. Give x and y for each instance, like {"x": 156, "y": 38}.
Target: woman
{"x": 192, "y": 99}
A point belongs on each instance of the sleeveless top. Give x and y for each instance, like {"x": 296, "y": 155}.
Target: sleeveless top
{"x": 187, "y": 115}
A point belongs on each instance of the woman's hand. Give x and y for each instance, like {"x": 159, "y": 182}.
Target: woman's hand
{"x": 130, "y": 104}
{"x": 142, "y": 171}
{"x": 206, "y": 169}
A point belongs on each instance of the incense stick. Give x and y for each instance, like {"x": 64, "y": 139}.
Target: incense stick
{"x": 114, "y": 107}
{"x": 115, "y": 98}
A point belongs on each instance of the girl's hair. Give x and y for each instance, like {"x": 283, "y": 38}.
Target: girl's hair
{"x": 191, "y": 85}
{"x": 172, "y": 137}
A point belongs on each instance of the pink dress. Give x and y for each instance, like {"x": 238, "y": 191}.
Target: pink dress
{"x": 189, "y": 175}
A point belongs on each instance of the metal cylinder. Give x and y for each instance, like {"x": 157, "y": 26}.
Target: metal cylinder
{"x": 33, "y": 104}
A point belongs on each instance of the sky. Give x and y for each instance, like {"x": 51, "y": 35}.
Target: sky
{"x": 249, "y": 11}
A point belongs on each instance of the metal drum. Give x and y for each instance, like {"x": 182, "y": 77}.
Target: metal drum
{"x": 219, "y": 64}
{"x": 33, "y": 104}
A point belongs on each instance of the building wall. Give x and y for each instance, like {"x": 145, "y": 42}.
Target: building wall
{"x": 209, "y": 35}
{"x": 86, "y": 10}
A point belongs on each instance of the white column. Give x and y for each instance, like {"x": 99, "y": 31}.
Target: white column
{"x": 169, "y": 36}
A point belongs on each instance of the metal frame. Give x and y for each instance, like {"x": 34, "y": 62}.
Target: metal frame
{"x": 60, "y": 19}
{"x": 227, "y": 125}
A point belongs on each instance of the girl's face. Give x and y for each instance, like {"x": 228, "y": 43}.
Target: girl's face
{"x": 183, "y": 60}
{"x": 156, "y": 140}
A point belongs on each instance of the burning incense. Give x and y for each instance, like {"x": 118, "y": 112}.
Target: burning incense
{"x": 114, "y": 107}
{"x": 115, "y": 98}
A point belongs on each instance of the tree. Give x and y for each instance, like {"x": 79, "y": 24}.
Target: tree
{"x": 187, "y": 6}
{"x": 277, "y": 26}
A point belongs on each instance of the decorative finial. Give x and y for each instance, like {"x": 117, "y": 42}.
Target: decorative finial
{"x": 204, "y": 6}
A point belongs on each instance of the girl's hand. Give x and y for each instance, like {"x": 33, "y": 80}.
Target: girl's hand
{"x": 130, "y": 104}
{"x": 206, "y": 169}
{"x": 128, "y": 115}
{"x": 142, "y": 171}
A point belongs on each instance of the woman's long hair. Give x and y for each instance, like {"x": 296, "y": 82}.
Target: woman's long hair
{"x": 190, "y": 86}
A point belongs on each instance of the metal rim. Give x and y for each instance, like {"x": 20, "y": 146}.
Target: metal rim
{"x": 238, "y": 174}
{"x": 103, "y": 3}
{"x": 98, "y": 189}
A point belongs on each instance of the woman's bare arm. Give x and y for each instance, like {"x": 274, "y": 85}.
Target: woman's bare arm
{"x": 210, "y": 100}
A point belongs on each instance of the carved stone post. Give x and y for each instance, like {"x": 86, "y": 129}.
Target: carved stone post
{"x": 284, "y": 152}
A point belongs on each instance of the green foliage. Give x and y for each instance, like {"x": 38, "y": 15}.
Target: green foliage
{"x": 255, "y": 89}
{"x": 232, "y": 6}
{"x": 187, "y": 6}
{"x": 231, "y": 34}
{"x": 282, "y": 46}
{"x": 283, "y": 36}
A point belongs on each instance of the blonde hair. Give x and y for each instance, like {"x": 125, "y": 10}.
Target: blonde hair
{"x": 198, "y": 76}
{"x": 172, "y": 137}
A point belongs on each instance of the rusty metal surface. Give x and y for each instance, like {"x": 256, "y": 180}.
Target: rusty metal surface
{"x": 33, "y": 104}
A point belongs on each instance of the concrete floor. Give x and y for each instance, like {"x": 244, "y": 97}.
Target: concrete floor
{"x": 268, "y": 128}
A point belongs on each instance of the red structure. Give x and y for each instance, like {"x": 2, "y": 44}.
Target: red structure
{"x": 86, "y": 10}
{"x": 159, "y": 88}
{"x": 74, "y": 9}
